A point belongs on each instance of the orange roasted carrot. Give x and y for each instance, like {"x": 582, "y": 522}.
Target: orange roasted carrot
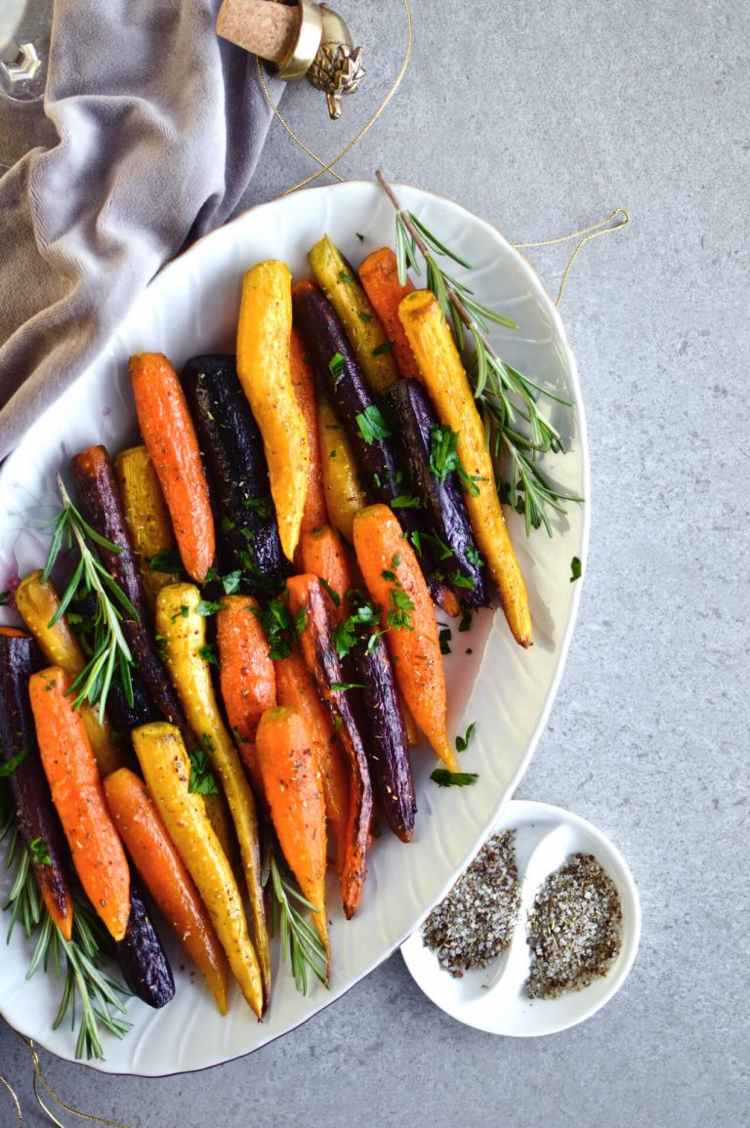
{"x": 303, "y": 381}
{"x": 379, "y": 276}
{"x": 307, "y": 599}
{"x": 409, "y": 620}
{"x": 165, "y": 876}
{"x": 296, "y": 690}
{"x": 78, "y": 796}
{"x": 170, "y": 437}
{"x": 324, "y": 555}
{"x": 246, "y": 674}
{"x": 292, "y": 783}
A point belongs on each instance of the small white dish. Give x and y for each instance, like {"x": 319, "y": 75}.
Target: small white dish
{"x": 493, "y": 998}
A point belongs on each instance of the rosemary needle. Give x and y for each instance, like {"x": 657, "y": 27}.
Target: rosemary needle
{"x": 507, "y": 399}
{"x": 110, "y": 654}
{"x": 300, "y": 943}
{"x": 78, "y": 960}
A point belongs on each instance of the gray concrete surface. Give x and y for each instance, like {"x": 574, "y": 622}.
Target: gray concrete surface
{"x": 542, "y": 116}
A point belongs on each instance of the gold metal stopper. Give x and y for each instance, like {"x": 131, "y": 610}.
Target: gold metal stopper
{"x": 337, "y": 68}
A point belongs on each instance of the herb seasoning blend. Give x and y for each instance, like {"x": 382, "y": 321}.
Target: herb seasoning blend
{"x": 475, "y": 921}
{"x": 574, "y": 928}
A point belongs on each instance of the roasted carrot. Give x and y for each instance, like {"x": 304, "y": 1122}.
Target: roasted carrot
{"x": 324, "y": 555}
{"x": 315, "y": 512}
{"x": 37, "y": 821}
{"x": 78, "y": 797}
{"x": 344, "y": 492}
{"x": 166, "y": 767}
{"x": 37, "y": 603}
{"x": 140, "y": 826}
{"x": 379, "y": 276}
{"x": 183, "y": 627}
{"x": 306, "y": 599}
{"x": 263, "y": 366}
{"x": 296, "y": 690}
{"x": 169, "y": 435}
{"x": 246, "y": 674}
{"x": 148, "y": 519}
{"x": 293, "y": 786}
{"x": 444, "y": 376}
{"x": 409, "y": 619}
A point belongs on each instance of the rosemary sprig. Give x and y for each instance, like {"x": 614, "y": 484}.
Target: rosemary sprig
{"x": 300, "y": 943}
{"x": 507, "y": 399}
{"x": 110, "y": 654}
{"x": 78, "y": 960}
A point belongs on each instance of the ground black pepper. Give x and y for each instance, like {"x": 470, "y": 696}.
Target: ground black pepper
{"x": 574, "y": 928}
{"x": 475, "y": 921}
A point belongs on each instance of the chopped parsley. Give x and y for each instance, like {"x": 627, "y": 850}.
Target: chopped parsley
{"x": 360, "y": 236}
{"x": 466, "y": 619}
{"x": 386, "y": 347}
{"x": 443, "y": 778}
{"x": 9, "y": 766}
{"x": 161, "y": 646}
{"x": 202, "y": 780}
{"x": 341, "y": 687}
{"x": 344, "y": 277}
{"x": 280, "y": 626}
{"x": 208, "y": 653}
{"x": 39, "y": 851}
{"x": 182, "y": 610}
{"x": 444, "y": 638}
{"x": 389, "y": 573}
{"x": 575, "y": 570}
{"x": 336, "y": 365}
{"x": 365, "y": 318}
{"x": 463, "y": 742}
{"x": 208, "y": 607}
{"x": 406, "y": 501}
{"x": 460, "y": 581}
{"x": 231, "y": 581}
{"x": 227, "y": 524}
{"x": 168, "y": 561}
{"x": 263, "y": 506}
{"x": 361, "y": 622}
{"x": 400, "y": 613}
{"x": 472, "y": 555}
{"x": 372, "y": 426}
{"x": 444, "y": 459}
{"x": 332, "y": 594}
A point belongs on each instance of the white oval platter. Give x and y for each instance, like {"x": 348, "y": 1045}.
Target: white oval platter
{"x": 190, "y": 308}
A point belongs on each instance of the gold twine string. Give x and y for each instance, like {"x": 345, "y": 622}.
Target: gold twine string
{"x": 617, "y": 219}
{"x": 39, "y": 1081}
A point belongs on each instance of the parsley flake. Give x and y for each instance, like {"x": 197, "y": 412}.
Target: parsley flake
{"x": 386, "y": 347}
{"x": 39, "y": 851}
{"x": 443, "y": 778}
{"x": 208, "y": 653}
{"x": 575, "y": 570}
{"x": 463, "y": 742}
{"x": 336, "y": 365}
{"x": 208, "y": 607}
{"x": 444, "y": 639}
{"x": 202, "y": 780}
{"x": 9, "y": 766}
{"x": 372, "y": 426}
{"x": 406, "y": 501}
{"x": 168, "y": 561}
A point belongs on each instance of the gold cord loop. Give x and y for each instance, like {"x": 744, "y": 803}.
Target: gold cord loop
{"x": 617, "y": 219}
{"x": 14, "y": 1097}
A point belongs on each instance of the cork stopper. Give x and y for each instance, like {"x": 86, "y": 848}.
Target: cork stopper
{"x": 262, "y": 27}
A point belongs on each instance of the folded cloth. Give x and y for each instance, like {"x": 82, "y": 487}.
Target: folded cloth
{"x": 160, "y": 126}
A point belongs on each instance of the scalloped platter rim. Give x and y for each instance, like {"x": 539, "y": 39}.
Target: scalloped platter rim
{"x": 190, "y": 307}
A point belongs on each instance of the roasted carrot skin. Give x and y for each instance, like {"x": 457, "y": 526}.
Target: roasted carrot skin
{"x": 166, "y": 767}
{"x": 315, "y": 513}
{"x": 324, "y": 554}
{"x": 142, "y": 958}
{"x": 246, "y": 674}
{"x": 305, "y": 595}
{"x": 293, "y": 786}
{"x": 166, "y": 877}
{"x": 37, "y": 820}
{"x": 170, "y": 437}
{"x": 147, "y": 517}
{"x": 379, "y": 276}
{"x": 395, "y": 583}
{"x": 296, "y": 690}
{"x": 344, "y": 492}
{"x": 78, "y": 796}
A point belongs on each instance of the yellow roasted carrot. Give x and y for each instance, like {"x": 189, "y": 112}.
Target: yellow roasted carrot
{"x": 264, "y": 368}
{"x": 339, "y": 282}
{"x": 37, "y": 603}
{"x": 445, "y": 378}
{"x": 148, "y": 518}
{"x": 343, "y": 489}
{"x": 184, "y": 631}
{"x": 166, "y": 769}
